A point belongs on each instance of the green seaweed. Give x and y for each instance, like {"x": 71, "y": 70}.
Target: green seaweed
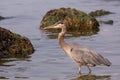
{"x": 13, "y": 44}
{"x": 74, "y": 20}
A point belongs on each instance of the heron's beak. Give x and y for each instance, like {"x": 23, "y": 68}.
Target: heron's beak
{"x": 49, "y": 27}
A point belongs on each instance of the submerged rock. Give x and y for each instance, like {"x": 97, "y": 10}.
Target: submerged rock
{"x": 110, "y": 22}
{"x": 99, "y": 13}
{"x": 1, "y": 18}
{"x": 74, "y": 20}
{"x": 14, "y": 45}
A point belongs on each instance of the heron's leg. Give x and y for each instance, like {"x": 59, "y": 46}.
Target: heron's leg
{"x": 79, "y": 67}
{"x": 89, "y": 69}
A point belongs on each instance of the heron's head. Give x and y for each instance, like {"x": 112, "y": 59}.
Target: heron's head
{"x": 56, "y": 26}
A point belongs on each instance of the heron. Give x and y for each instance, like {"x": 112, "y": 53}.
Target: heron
{"x": 82, "y": 55}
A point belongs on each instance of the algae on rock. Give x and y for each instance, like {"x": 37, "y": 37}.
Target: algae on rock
{"x": 75, "y": 20}
{"x": 14, "y": 45}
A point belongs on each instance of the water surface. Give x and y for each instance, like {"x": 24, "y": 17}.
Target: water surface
{"x": 48, "y": 61}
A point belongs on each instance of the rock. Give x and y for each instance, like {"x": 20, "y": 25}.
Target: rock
{"x": 110, "y": 22}
{"x": 14, "y": 45}
{"x": 1, "y": 18}
{"x": 74, "y": 20}
{"x": 99, "y": 13}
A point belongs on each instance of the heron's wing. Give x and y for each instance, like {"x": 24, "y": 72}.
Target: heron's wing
{"x": 87, "y": 56}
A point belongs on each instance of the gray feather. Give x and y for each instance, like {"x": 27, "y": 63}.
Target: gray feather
{"x": 86, "y": 56}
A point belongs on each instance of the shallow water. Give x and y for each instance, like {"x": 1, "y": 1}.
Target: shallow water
{"x": 48, "y": 61}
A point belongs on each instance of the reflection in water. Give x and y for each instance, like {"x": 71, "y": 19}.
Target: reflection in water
{"x": 3, "y": 78}
{"x": 54, "y": 35}
{"x": 8, "y": 64}
{"x": 4, "y": 61}
{"x": 93, "y": 77}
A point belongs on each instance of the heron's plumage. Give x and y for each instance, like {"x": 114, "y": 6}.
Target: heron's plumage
{"x": 86, "y": 56}
{"x": 81, "y": 54}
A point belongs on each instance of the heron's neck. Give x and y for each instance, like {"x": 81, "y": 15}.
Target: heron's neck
{"x": 61, "y": 37}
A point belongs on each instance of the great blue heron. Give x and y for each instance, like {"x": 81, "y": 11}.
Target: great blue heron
{"x": 81, "y": 54}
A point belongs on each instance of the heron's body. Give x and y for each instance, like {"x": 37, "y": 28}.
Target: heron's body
{"x": 82, "y": 55}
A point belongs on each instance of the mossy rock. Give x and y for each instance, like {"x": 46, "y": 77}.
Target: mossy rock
{"x": 74, "y": 20}
{"x": 14, "y": 45}
{"x": 99, "y": 13}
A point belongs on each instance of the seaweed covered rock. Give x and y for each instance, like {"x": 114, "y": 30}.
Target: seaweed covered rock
{"x": 14, "y": 45}
{"x": 99, "y": 13}
{"x": 74, "y": 20}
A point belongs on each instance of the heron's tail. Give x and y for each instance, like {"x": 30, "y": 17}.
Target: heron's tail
{"x": 107, "y": 62}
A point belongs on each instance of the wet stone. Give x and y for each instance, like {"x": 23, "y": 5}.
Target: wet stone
{"x": 99, "y": 13}
{"x": 1, "y": 18}
{"x": 14, "y": 45}
{"x": 75, "y": 20}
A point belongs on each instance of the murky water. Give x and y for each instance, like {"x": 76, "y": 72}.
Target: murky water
{"x": 48, "y": 61}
